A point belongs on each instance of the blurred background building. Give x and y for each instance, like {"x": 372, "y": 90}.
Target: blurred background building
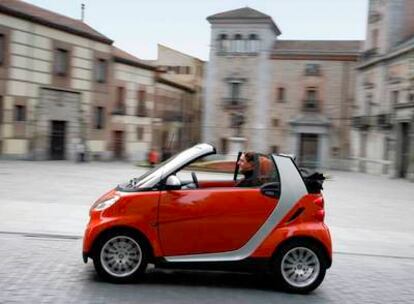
{"x": 293, "y": 96}
{"x": 65, "y": 88}
{"x": 383, "y": 122}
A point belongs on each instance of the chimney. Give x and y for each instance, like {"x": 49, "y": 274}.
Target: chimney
{"x": 83, "y": 12}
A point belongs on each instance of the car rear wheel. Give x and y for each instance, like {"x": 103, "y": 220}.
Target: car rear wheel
{"x": 120, "y": 257}
{"x": 299, "y": 267}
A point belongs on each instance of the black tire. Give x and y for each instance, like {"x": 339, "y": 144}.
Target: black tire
{"x": 285, "y": 279}
{"x": 103, "y": 251}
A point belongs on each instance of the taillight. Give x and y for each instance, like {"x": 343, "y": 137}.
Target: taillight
{"x": 320, "y": 214}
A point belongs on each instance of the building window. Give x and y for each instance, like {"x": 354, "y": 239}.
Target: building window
{"x": 274, "y": 149}
{"x": 99, "y": 118}
{"x": 2, "y": 48}
{"x": 395, "y": 96}
{"x": 253, "y": 43}
{"x": 19, "y": 113}
{"x": 1, "y": 110}
{"x": 335, "y": 151}
{"x": 368, "y": 105}
{"x": 411, "y": 97}
{"x": 120, "y": 104}
{"x": 101, "y": 67}
{"x": 184, "y": 70}
{"x": 311, "y": 100}
{"x": 312, "y": 69}
{"x": 223, "y": 43}
{"x": 275, "y": 122}
{"x": 238, "y": 42}
{"x": 142, "y": 108}
{"x": 62, "y": 62}
{"x": 374, "y": 38}
{"x": 235, "y": 91}
{"x": 223, "y": 145}
{"x": 281, "y": 94}
{"x": 140, "y": 133}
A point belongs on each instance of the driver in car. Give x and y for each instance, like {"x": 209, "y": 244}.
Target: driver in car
{"x": 247, "y": 165}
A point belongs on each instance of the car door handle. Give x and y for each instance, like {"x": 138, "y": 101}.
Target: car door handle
{"x": 270, "y": 189}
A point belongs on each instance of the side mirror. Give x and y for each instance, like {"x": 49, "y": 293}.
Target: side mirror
{"x": 173, "y": 183}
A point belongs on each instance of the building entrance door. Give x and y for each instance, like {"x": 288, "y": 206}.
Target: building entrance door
{"x": 57, "y": 140}
{"x": 405, "y": 147}
{"x": 309, "y": 150}
{"x": 118, "y": 140}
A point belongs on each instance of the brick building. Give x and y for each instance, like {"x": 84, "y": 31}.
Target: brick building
{"x": 65, "y": 88}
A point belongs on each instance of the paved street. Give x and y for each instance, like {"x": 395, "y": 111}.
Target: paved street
{"x": 43, "y": 211}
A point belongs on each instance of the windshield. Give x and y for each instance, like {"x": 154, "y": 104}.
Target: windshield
{"x": 153, "y": 176}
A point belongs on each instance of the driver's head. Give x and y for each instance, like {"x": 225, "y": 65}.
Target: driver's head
{"x": 246, "y": 162}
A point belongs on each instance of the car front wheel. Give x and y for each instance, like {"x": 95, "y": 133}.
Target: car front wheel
{"x": 120, "y": 257}
{"x": 299, "y": 267}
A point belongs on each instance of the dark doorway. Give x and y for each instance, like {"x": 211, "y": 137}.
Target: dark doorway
{"x": 57, "y": 139}
{"x": 405, "y": 149}
{"x": 118, "y": 137}
{"x": 309, "y": 150}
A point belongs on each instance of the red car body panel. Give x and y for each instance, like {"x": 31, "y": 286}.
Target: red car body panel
{"x": 138, "y": 211}
{"x": 306, "y": 224}
{"x": 210, "y": 220}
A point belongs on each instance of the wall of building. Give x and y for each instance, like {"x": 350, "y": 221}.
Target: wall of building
{"x": 134, "y": 79}
{"x": 253, "y": 70}
{"x": 30, "y": 67}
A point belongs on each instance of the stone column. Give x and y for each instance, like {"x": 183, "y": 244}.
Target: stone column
{"x": 323, "y": 150}
{"x": 260, "y": 106}
{"x": 398, "y": 149}
{"x": 410, "y": 170}
{"x": 235, "y": 145}
{"x": 209, "y": 104}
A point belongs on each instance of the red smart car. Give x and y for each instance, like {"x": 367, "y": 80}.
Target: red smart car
{"x": 276, "y": 225}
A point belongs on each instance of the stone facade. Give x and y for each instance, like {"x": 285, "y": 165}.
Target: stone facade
{"x": 383, "y": 122}
{"x": 293, "y": 96}
{"x": 66, "y": 89}
{"x": 187, "y": 70}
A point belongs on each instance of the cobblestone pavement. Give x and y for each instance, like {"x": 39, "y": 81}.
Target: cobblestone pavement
{"x": 40, "y": 269}
{"x": 44, "y": 209}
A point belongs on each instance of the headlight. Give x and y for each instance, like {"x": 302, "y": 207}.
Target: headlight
{"x": 106, "y": 203}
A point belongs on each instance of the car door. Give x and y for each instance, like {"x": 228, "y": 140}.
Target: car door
{"x": 212, "y": 220}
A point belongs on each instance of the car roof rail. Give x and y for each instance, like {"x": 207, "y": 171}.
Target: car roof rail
{"x": 292, "y": 156}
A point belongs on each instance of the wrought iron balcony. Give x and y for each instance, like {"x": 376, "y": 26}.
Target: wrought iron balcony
{"x": 362, "y": 122}
{"x": 234, "y": 103}
{"x": 119, "y": 110}
{"x": 310, "y": 105}
{"x": 384, "y": 121}
{"x": 369, "y": 54}
{"x": 170, "y": 116}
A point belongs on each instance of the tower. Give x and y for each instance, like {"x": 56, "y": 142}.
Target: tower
{"x": 237, "y": 83}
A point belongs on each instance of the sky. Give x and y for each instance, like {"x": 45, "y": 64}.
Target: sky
{"x": 137, "y": 26}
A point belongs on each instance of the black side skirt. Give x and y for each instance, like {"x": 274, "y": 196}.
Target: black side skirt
{"x": 247, "y": 265}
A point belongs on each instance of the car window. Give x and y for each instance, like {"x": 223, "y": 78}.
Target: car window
{"x": 264, "y": 171}
{"x": 208, "y": 169}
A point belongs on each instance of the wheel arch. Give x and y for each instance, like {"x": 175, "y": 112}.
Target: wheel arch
{"x": 305, "y": 239}
{"x": 116, "y": 229}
